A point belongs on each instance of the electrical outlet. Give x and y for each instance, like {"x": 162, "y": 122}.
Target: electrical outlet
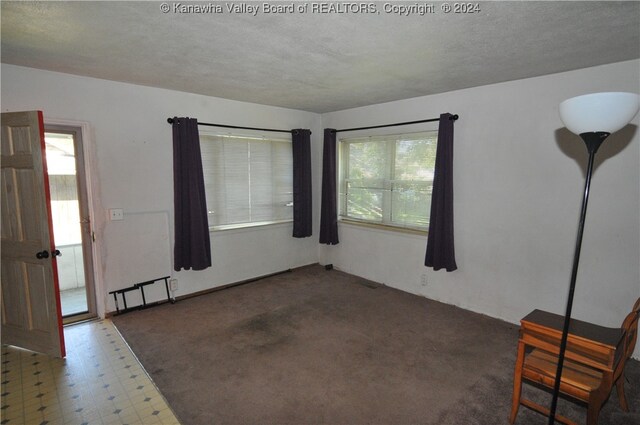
{"x": 116, "y": 214}
{"x": 423, "y": 279}
{"x": 173, "y": 284}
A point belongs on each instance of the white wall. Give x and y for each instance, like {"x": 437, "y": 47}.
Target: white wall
{"x": 130, "y": 144}
{"x": 518, "y": 183}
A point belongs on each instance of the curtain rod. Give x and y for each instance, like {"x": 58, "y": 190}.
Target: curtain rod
{"x": 452, "y": 117}
{"x": 170, "y": 121}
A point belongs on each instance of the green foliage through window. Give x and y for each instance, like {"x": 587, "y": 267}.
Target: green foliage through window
{"x": 388, "y": 179}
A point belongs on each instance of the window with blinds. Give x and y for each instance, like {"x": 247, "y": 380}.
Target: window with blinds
{"x": 388, "y": 180}
{"x": 248, "y": 180}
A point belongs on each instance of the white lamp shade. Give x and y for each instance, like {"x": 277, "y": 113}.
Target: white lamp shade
{"x": 607, "y": 112}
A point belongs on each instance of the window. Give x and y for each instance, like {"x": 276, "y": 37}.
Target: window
{"x": 388, "y": 180}
{"x": 248, "y": 180}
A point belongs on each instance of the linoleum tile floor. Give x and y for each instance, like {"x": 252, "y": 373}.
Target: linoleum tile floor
{"x": 99, "y": 382}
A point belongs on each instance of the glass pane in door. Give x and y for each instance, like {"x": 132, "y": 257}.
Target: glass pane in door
{"x": 65, "y": 211}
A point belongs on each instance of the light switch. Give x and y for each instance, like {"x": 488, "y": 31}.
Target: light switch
{"x": 116, "y": 214}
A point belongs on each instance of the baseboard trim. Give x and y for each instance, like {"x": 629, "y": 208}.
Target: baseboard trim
{"x": 230, "y": 285}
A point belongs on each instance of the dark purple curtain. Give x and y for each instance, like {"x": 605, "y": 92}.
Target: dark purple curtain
{"x": 440, "y": 249}
{"x": 192, "y": 249}
{"x": 329, "y": 207}
{"x": 302, "y": 207}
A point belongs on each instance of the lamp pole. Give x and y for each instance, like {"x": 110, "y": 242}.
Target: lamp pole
{"x": 593, "y": 140}
{"x": 594, "y": 117}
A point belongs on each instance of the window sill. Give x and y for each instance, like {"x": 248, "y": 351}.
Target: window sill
{"x": 383, "y": 227}
{"x": 248, "y": 226}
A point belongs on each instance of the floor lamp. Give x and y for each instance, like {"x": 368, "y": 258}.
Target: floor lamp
{"x": 594, "y": 117}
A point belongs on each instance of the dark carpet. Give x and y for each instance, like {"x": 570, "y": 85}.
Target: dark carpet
{"x": 325, "y": 347}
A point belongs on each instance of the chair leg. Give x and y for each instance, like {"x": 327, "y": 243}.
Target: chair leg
{"x": 517, "y": 384}
{"x": 593, "y": 411}
{"x": 621, "y": 396}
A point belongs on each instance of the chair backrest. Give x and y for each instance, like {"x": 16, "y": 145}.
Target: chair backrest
{"x": 630, "y": 328}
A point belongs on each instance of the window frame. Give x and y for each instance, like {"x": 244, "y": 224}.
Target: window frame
{"x": 388, "y": 182}
{"x": 255, "y": 137}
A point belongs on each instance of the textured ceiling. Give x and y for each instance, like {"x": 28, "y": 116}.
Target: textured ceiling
{"x": 317, "y": 61}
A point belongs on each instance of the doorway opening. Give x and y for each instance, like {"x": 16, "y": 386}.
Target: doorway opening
{"x": 71, "y": 222}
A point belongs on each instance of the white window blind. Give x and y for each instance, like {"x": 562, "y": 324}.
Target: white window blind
{"x": 248, "y": 180}
{"x": 388, "y": 180}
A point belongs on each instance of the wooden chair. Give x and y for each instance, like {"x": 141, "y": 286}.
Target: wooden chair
{"x": 589, "y": 371}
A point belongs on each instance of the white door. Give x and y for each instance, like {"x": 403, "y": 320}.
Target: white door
{"x": 31, "y": 314}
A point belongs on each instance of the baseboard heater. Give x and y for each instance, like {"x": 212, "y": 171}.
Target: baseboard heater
{"x": 139, "y": 287}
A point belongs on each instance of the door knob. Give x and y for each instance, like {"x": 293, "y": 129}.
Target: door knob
{"x": 56, "y": 253}
{"x": 42, "y": 254}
